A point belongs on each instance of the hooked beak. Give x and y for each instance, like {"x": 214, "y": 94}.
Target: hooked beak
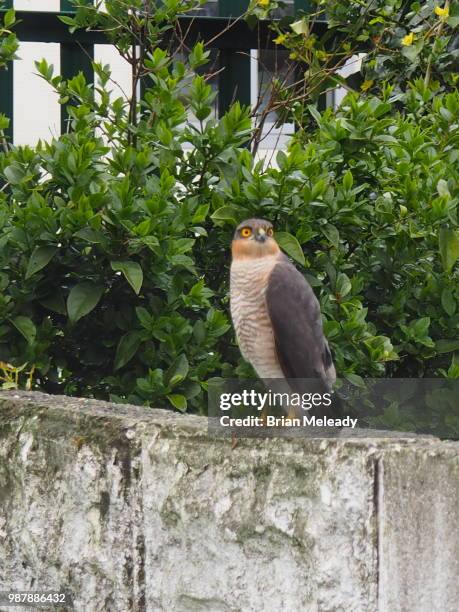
{"x": 260, "y": 236}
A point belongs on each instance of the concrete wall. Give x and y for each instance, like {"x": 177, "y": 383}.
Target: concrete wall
{"x": 137, "y": 509}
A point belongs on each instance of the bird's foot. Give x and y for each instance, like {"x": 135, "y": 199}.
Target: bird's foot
{"x": 264, "y": 416}
{"x": 292, "y": 414}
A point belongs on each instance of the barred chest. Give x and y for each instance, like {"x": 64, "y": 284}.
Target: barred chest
{"x": 248, "y": 283}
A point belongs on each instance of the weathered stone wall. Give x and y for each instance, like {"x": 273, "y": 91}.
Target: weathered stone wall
{"x": 138, "y": 509}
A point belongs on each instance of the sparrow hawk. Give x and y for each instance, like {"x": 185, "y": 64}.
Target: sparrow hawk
{"x": 275, "y": 313}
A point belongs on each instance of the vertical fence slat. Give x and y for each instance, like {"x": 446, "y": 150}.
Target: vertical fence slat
{"x": 75, "y": 58}
{"x": 234, "y": 81}
{"x": 6, "y": 87}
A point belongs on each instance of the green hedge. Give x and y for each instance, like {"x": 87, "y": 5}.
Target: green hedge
{"x": 114, "y": 238}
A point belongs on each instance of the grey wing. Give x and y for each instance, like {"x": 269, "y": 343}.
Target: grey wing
{"x": 301, "y": 347}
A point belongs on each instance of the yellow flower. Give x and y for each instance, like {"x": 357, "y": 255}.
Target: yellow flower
{"x": 408, "y": 39}
{"x": 366, "y": 85}
{"x": 264, "y": 2}
{"x": 443, "y": 13}
{"x": 280, "y": 39}
{"x": 293, "y": 55}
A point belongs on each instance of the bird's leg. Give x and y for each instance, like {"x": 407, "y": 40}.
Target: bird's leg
{"x": 264, "y": 415}
{"x": 292, "y": 413}
{"x": 234, "y": 441}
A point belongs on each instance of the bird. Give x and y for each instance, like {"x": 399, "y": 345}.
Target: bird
{"x": 275, "y": 313}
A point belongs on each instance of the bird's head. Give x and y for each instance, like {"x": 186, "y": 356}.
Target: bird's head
{"x": 254, "y": 238}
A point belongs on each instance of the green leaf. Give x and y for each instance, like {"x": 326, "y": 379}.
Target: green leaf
{"x": 332, "y": 234}
{"x": 4, "y": 122}
{"x": 291, "y": 246}
{"x": 301, "y": 26}
{"x": 420, "y": 327}
{"x": 178, "y": 401}
{"x": 442, "y": 188}
{"x": 90, "y": 235}
{"x": 55, "y": 302}
{"x": 226, "y": 213}
{"x": 448, "y": 241}
{"x": 201, "y": 213}
{"x": 199, "y": 331}
{"x": 315, "y": 113}
{"x": 198, "y": 56}
{"x": 9, "y": 385}
{"x": 281, "y": 160}
{"x": 318, "y": 188}
{"x": 127, "y": 348}
{"x": 447, "y": 346}
{"x": 343, "y": 284}
{"x": 26, "y": 327}
{"x": 356, "y": 380}
{"x": 448, "y": 302}
{"x": 192, "y": 389}
{"x": 44, "y": 69}
{"x": 82, "y": 299}
{"x": 14, "y": 174}
{"x": 178, "y": 371}
{"x": 411, "y": 52}
{"x": 41, "y": 256}
{"x": 348, "y": 180}
{"x": 131, "y": 271}
{"x": 9, "y": 18}
{"x": 145, "y": 318}
{"x": 67, "y": 20}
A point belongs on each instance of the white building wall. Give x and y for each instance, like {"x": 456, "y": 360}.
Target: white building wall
{"x": 36, "y": 107}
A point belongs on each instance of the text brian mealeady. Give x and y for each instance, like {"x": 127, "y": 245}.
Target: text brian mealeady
{"x": 282, "y": 421}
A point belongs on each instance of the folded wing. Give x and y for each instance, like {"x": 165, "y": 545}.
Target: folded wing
{"x": 302, "y": 349}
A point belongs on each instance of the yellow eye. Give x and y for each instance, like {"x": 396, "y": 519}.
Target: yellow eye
{"x": 270, "y": 231}
{"x": 246, "y": 232}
